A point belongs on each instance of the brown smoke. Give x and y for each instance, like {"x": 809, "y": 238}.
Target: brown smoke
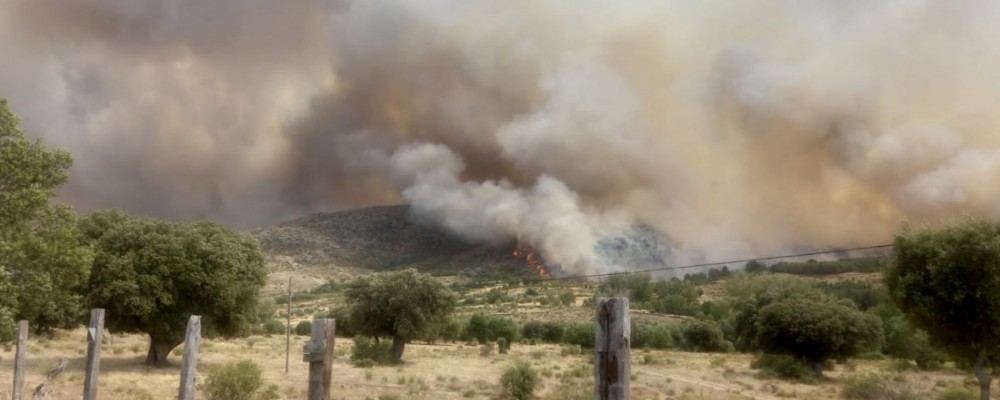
{"x": 738, "y": 128}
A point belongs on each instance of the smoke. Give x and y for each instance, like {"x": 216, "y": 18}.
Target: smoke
{"x": 739, "y": 129}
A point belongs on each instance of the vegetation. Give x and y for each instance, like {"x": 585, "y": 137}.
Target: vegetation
{"x": 237, "y": 381}
{"x": 487, "y": 328}
{"x": 816, "y": 328}
{"x": 519, "y": 380}
{"x": 40, "y": 244}
{"x": 877, "y": 387}
{"x": 813, "y": 267}
{"x": 947, "y": 281}
{"x": 303, "y": 328}
{"x": 370, "y": 352}
{"x": 402, "y": 305}
{"x": 151, "y": 275}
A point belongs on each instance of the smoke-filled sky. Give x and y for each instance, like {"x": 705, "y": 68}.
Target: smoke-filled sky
{"x": 739, "y": 128}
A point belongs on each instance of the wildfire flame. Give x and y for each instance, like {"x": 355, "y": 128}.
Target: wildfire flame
{"x": 528, "y": 254}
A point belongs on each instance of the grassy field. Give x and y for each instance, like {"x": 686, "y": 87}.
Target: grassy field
{"x": 444, "y": 371}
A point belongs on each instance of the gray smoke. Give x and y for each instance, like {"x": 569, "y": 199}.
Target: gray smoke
{"x": 737, "y": 128}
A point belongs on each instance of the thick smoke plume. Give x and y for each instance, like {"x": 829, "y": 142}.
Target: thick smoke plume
{"x": 737, "y": 128}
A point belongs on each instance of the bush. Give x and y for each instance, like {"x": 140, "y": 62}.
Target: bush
{"x": 503, "y": 345}
{"x": 519, "y": 380}
{"x": 343, "y": 317}
{"x": 551, "y": 332}
{"x": 783, "y": 366}
{"x": 367, "y": 349}
{"x": 579, "y": 334}
{"x": 237, "y": 381}
{"x": 876, "y": 387}
{"x": 652, "y": 335}
{"x": 704, "y": 336}
{"x": 957, "y": 393}
{"x": 487, "y": 328}
{"x": 273, "y": 327}
{"x": 304, "y": 328}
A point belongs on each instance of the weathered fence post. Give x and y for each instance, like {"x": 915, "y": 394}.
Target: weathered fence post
{"x": 22, "y": 348}
{"x": 319, "y": 354}
{"x": 189, "y": 365}
{"x": 612, "y": 335}
{"x": 93, "y": 366}
{"x": 288, "y": 325}
{"x": 42, "y": 389}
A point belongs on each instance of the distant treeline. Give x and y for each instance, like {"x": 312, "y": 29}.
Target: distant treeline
{"x": 813, "y": 267}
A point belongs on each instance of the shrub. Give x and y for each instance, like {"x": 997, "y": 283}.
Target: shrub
{"x": 503, "y": 345}
{"x": 367, "y": 349}
{"x": 783, "y": 366}
{"x": 273, "y": 327}
{"x": 579, "y": 334}
{"x": 652, "y": 335}
{"x": 876, "y": 387}
{"x": 519, "y": 380}
{"x": 237, "y": 381}
{"x": 343, "y": 317}
{"x": 304, "y": 328}
{"x": 551, "y": 332}
{"x": 486, "y": 328}
{"x": 704, "y": 336}
{"x": 957, "y": 393}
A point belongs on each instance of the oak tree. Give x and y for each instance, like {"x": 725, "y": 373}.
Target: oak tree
{"x": 947, "y": 281}
{"x": 401, "y": 305}
{"x": 151, "y": 275}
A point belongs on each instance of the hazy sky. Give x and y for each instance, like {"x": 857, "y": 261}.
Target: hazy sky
{"x": 739, "y": 128}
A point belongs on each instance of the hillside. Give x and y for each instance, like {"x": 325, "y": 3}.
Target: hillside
{"x": 380, "y": 238}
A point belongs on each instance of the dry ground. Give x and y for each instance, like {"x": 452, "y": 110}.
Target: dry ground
{"x": 448, "y": 371}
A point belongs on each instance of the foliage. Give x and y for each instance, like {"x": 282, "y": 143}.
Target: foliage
{"x": 40, "y": 244}
{"x": 368, "y": 349}
{"x": 579, "y": 334}
{"x": 503, "y": 345}
{"x": 273, "y": 327}
{"x": 237, "y": 381}
{"x": 700, "y": 335}
{"x": 546, "y": 331}
{"x": 751, "y": 292}
{"x": 816, "y": 328}
{"x": 8, "y": 306}
{"x": 401, "y": 304}
{"x": 652, "y": 335}
{"x": 904, "y": 341}
{"x": 151, "y": 275}
{"x": 813, "y": 267}
{"x": 784, "y": 366}
{"x": 304, "y": 328}
{"x": 947, "y": 281}
{"x": 519, "y": 381}
{"x": 345, "y": 327}
{"x": 863, "y": 294}
{"x": 666, "y": 296}
{"x": 876, "y": 387}
{"x": 957, "y": 393}
{"x": 487, "y": 328}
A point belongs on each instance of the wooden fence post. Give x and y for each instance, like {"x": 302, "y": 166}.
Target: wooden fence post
{"x": 319, "y": 354}
{"x": 94, "y": 332}
{"x": 22, "y": 348}
{"x": 189, "y": 365}
{"x": 612, "y": 364}
{"x": 288, "y": 323}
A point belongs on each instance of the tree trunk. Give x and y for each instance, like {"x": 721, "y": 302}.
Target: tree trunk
{"x": 396, "y": 351}
{"x": 159, "y": 349}
{"x": 985, "y": 377}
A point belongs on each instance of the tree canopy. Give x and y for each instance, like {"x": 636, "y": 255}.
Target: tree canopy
{"x": 151, "y": 275}
{"x": 41, "y": 247}
{"x": 816, "y": 328}
{"x": 401, "y": 304}
{"x": 947, "y": 281}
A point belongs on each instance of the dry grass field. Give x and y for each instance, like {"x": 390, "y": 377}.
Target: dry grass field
{"x": 441, "y": 371}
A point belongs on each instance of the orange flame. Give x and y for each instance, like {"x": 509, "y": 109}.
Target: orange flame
{"x": 534, "y": 261}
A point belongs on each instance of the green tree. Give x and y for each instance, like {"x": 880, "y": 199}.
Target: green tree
{"x": 816, "y": 328}
{"x": 151, "y": 275}
{"x": 947, "y": 281}
{"x": 8, "y": 305}
{"x": 40, "y": 245}
{"x": 401, "y": 304}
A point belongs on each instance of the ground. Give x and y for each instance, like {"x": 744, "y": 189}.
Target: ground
{"x": 440, "y": 371}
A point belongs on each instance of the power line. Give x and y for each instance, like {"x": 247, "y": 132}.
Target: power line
{"x": 672, "y": 268}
